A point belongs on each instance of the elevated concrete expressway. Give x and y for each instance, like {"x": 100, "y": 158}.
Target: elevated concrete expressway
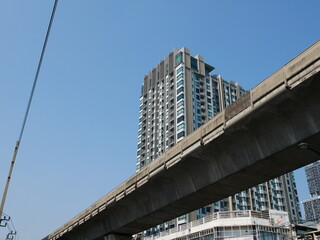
{"x": 250, "y": 142}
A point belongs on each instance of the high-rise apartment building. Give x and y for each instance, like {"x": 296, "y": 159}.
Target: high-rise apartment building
{"x": 177, "y": 97}
{"x": 313, "y": 178}
{"x": 312, "y": 205}
{"x": 312, "y": 209}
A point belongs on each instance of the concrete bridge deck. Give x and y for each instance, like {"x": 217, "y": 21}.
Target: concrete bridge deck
{"x": 253, "y": 140}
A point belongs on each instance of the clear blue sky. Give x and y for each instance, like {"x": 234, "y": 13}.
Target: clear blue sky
{"x": 80, "y": 138}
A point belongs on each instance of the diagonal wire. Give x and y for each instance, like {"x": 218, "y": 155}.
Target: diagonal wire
{"x": 38, "y": 70}
{"x": 28, "y": 108}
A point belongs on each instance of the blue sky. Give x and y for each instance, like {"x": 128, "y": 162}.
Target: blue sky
{"x": 80, "y": 138}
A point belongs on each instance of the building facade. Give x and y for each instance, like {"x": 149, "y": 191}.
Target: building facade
{"x": 278, "y": 194}
{"x": 177, "y": 97}
{"x": 241, "y": 225}
{"x": 313, "y": 178}
{"x": 312, "y": 205}
{"x": 312, "y": 209}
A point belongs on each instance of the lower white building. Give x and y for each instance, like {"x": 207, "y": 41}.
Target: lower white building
{"x": 232, "y": 225}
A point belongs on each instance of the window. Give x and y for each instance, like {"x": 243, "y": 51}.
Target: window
{"x": 181, "y": 134}
{"x": 180, "y": 111}
{"x": 180, "y": 90}
{"x": 180, "y": 104}
{"x": 181, "y": 82}
{"x": 180, "y": 119}
{"x": 178, "y": 58}
{"x": 180, "y": 127}
{"x": 179, "y": 70}
{"x": 181, "y": 96}
{"x": 194, "y": 63}
{"x": 180, "y": 76}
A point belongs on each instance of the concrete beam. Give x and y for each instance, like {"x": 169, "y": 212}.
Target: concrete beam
{"x": 248, "y": 143}
{"x": 118, "y": 237}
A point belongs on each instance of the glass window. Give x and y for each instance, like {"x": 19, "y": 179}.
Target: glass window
{"x": 180, "y": 119}
{"x": 180, "y": 90}
{"x": 178, "y": 58}
{"x": 180, "y": 76}
{"x": 181, "y": 82}
{"x": 180, "y": 104}
{"x": 180, "y": 70}
{"x": 181, "y": 96}
{"x": 194, "y": 63}
{"x": 181, "y": 134}
{"x": 180, "y": 127}
{"x": 180, "y": 111}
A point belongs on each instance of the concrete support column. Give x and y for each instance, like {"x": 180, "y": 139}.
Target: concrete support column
{"x": 230, "y": 203}
{"x": 118, "y": 237}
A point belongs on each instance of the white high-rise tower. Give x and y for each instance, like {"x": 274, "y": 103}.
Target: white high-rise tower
{"x": 178, "y": 96}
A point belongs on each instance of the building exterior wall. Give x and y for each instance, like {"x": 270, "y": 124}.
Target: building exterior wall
{"x": 312, "y": 209}
{"x": 241, "y": 225}
{"x": 313, "y": 178}
{"x": 177, "y": 97}
{"x": 312, "y": 205}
